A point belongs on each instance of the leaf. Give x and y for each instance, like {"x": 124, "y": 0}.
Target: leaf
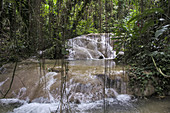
{"x": 64, "y": 52}
{"x": 134, "y": 18}
{"x": 145, "y": 13}
{"x": 154, "y": 10}
{"x": 54, "y": 1}
{"x": 161, "y": 19}
{"x": 147, "y": 25}
{"x": 117, "y": 42}
{"x": 118, "y": 50}
{"x": 160, "y": 32}
{"x": 10, "y": 1}
{"x": 46, "y": 6}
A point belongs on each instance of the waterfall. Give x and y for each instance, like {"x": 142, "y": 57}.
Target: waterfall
{"x": 91, "y": 46}
{"x": 83, "y": 90}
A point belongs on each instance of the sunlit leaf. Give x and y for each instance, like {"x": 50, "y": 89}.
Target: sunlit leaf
{"x": 160, "y": 32}
{"x": 54, "y": 1}
{"x": 134, "y": 18}
{"x": 161, "y": 19}
{"x": 46, "y": 6}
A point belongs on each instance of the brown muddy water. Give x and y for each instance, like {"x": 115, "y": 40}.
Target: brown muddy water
{"x": 35, "y": 91}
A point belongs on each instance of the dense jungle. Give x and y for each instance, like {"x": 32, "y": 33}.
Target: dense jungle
{"x": 90, "y": 56}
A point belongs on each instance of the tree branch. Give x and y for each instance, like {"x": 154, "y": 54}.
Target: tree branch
{"x": 11, "y": 80}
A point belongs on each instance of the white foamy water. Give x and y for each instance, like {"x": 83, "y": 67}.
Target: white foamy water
{"x": 112, "y": 106}
{"x": 79, "y": 98}
{"x": 1, "y": 83}
{"x": 22, "y": 92}
{"x": 37, "y": 108}
{"x": 123, "y": 98}
{"x": 90, "y": 106}
{"x": 82, "y": 107}
{"x": 92, "y": 46}
{"x": 82, "y": 96}
{"x": 50, "y": 81}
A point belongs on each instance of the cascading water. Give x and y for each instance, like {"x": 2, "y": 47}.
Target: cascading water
{"x": 83, "y": 89}
{"x": 92, "y": 46}
{"x": 79, "y": 97}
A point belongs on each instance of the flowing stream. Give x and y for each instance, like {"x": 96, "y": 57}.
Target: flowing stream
{"x": 84, "y": 91}
{"x": 94, "y": 83}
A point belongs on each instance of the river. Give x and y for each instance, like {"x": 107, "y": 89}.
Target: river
{"x": 34, "y": 91}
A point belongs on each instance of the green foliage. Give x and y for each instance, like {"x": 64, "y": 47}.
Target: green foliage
{"x": 85, "y": 27}
{"x": 141, "y": 50}
{"x": 148, "y": 12}
{"x": 143, "y": 35}
{"x": 31, "y": 26}
{"x": 147, "y": 25}
{"x": 162, "y": 30}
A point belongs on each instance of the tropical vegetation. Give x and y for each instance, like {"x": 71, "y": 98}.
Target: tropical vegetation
{"x": 141, "y": 29}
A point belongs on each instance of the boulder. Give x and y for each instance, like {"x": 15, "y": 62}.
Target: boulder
{"x": 149, "y": 90}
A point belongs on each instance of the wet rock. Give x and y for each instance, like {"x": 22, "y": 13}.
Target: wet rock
{"x": 12, "y": 102}
{"x": 109, "y": 82}
{"x": 55, "y": 69}
{"x": 101, "y": 57}
{"x": 110, "y": 93}
{"x": 83, "y": 88}
{"x": 77, "y": 101}
{"x": 79, "y": 87}
{"x": 149, "y": 90}
{"x": 73, "y": 99}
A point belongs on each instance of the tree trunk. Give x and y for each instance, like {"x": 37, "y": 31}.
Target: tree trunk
{"x": 1, "y": 10}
